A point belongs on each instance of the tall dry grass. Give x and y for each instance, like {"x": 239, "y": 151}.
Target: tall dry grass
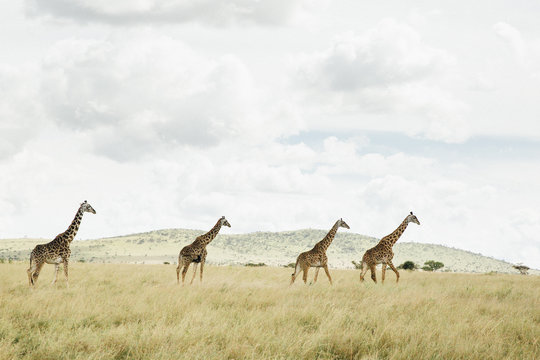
{"x": 138, "y": 312}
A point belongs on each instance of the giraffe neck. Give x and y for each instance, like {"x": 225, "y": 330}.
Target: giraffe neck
{"x": 396, "y": 234}
{"x": 325, "y": 243}
{"x": 209, "y": 236}
{"x": 71, "y": 231}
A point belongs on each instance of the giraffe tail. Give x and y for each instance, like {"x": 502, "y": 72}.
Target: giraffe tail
{"x": 29, "y": 271}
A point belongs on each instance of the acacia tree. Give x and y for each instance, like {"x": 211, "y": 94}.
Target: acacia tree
{"x": 523, "y": 270}
{"x": 432, "y": 265}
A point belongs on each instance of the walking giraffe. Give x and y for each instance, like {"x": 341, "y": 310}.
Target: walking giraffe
{"x": 56, "y": 251}
{"x": 316, "y": 257}
{"x": 382, "y": 252}
{"x": 196, "y": 251}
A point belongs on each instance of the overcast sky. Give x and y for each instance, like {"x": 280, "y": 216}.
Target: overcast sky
{"x": 278, "y": 114}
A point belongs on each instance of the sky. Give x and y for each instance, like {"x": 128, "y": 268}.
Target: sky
{"x": 278, "y": 114}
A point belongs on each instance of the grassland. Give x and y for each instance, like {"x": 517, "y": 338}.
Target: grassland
{"x": 271, "y": 248}
{"x": 126, "y": 311}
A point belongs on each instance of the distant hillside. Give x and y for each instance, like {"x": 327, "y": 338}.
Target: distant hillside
{"x": 271, "y": 248}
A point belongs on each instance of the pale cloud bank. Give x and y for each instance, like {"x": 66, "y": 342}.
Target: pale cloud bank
{"x": 175, "y": 125}
{"x": 388, "y": 73}
{"x": 127, "y": 12}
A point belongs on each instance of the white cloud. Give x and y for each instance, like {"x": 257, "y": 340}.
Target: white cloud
{"x": 126, "y": 12}
{"x": 389, "y": 54}
{"x": 389, "y": 77}
{"x": 513, "y": 38}
{"x": 135, "y": 95}
{"x": 20, "y": 115}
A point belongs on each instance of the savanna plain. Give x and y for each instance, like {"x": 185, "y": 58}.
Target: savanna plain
{"x": 128, "y": 311}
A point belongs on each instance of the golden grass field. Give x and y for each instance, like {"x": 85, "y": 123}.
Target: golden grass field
{"x": 138, "y": 312}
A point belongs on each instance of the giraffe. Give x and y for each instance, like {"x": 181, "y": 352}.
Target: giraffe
{"x": 316, "y": 257}
{"x": 196, "y": 252}
{"x": 382, "y": 252}
{"x": 56, "y": 251}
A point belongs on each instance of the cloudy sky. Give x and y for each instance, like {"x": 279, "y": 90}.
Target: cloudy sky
{"x": 279, "y": 114}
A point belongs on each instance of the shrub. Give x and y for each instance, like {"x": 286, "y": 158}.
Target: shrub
{"x": 408, "y": 265}
{"x": 290, "y": 265}
{"x": 432, "y": 265}
{"x": 253, "y": 265}
{"x": 357, "y": 265}
{"x": 166, "y": 263}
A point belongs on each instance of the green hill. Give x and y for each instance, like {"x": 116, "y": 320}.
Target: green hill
{"x": 271, "y": 248}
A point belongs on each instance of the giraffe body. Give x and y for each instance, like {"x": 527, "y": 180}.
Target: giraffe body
{"x": 57, "y": 251}
{"x": 316, "y": 257}
{"x": 196, "y": 252}
{"x": 382, "y": 253}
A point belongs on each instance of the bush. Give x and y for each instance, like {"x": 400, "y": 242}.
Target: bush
{"x": 253, "y": 265}
{"x": 432, "y": 265}
{"x": 408, "y": 265}
{"x": 290, "y": 265}
{"x": 357, "y": 265}
{"x": 166, "y": 263}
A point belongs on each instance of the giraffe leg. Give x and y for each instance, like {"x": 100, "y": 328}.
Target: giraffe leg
{"x": 316, "y": 274}
{"x": 66, "y": 271}
{"x": 304, "y": 276}
{"x": 184, "y": 271}
{"x": 31, "y": 271}
{"x": 296, "y": 272}
{"x": 394, "y": 269}
{"x": 373, "y": 273}
{"x": 383, "y": 272}
{"x": 364, "y": 270}
{"x": 36, "y": 271}
{"x": 328, "y": 273}
{"x": 56, "y": 268}
{"x": 178, "y": 268}
{"x": 201, "y": 270}
{"x": 194, "y": 272}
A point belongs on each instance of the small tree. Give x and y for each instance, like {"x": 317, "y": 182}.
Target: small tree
{"x": 408, "y": 265}
{"x": 432, "y": 265}
{"x": 357, "y": 265}
{"x": 523, "y": 270}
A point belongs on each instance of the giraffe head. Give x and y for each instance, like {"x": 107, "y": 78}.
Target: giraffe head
{"x": 343, "y": 224}
{"x": 224, "y": 222}
{"x": 412, "y": 218}
{"x": 87, "y": 207}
